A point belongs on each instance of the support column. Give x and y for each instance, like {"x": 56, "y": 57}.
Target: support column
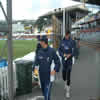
{"x": 10, "y": 51}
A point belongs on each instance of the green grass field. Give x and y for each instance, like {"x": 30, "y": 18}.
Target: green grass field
{"x": 20, "y": 48}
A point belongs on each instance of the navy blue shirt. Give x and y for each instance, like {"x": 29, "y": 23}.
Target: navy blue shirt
{"x": 67, "y": 47}
{"x": 38, "y": 47}
{"x": 44, "y": 59}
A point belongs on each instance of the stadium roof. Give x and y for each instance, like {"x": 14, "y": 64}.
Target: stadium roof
{"x": 59, "y": 11}
{"x": 96, "y": 2}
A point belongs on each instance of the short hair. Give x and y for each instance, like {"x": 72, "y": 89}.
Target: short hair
{"x": 67, "y": 32}
{"x": 44, "y": 39}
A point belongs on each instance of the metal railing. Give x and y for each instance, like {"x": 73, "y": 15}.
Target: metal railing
{"x": 3, "y": 80}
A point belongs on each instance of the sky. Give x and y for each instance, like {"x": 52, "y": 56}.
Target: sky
{"x": 31, "y": 9}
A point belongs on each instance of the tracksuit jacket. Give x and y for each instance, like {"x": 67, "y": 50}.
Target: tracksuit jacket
{"x": 44, "y": 59}
{"x": 67, "y": 47}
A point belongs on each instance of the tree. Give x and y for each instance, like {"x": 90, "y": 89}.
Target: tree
{"x": 42, "y": 21}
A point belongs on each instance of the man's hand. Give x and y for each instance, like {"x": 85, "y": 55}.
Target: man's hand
{"x": 65, "y": 55}
{"x": 36, "y": 71}
{"x": 68, "y": 56}
{"x": 53, "y": 72}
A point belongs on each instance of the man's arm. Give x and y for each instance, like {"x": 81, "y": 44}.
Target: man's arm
{"x": 36, "y": 62}
{"x": 60, "y": 50}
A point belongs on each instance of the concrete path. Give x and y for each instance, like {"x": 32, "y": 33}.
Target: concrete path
{"x": 85, "y": 79}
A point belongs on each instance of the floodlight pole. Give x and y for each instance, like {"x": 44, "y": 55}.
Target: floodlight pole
{"x": 10, "y": 51}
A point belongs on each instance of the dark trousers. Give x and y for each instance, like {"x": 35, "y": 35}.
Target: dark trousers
{"x": 76, "y": 53}
{"x": 46, "y": 89}
{"x": 66, "y": 73}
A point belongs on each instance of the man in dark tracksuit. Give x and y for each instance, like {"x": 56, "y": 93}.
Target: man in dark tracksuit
{"x": 66, "y": 51}
{"x": 37, "y": 49}
{"x": 44, "y": 59}
{"x": 77, "y": 47}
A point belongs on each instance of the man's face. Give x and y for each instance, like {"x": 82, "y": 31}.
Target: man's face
{"x": 42, "y": 43}
{"x": 67, "y": 36}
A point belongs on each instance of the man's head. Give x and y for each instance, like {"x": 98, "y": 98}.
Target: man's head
{"x": 44, "y": 42}
{"x": 67, "y": 35}
{"x": 39, "y": 37}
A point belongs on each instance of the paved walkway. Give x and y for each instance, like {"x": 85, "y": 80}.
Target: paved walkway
{"x": 85, "y": 76}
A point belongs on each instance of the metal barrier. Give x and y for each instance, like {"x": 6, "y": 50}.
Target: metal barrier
{"x": 3, "y": 80}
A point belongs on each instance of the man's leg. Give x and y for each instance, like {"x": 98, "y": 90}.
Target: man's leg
{"x": 68, "y": 83}
{"x": 43, "y": 88}
{"x": 48, "y": 90}
{"x": 64, "y": 74}
{"x": 68, "y": 77}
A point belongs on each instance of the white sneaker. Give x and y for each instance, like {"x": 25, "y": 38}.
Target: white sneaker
{"x": 68, "y": 92}
{"x": 67, "y": 95}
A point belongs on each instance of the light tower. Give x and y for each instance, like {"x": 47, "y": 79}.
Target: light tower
{"x": 8, "y": 17}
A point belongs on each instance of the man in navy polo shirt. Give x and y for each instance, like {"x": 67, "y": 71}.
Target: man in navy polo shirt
{"x": 66, "y": 51}
{"x": 44, "y": 60}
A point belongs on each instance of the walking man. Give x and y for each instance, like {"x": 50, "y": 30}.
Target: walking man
{"x": 66, "y": 51}
{"x": 44, "y": 60}
{"x": 77, "y": 40}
